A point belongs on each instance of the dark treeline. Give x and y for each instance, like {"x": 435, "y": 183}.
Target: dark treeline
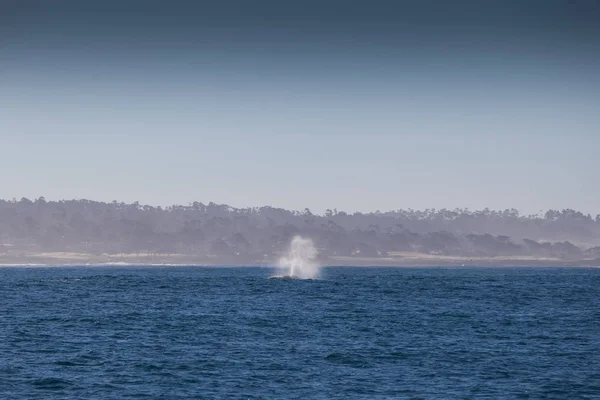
{"x": 257, "y": 233}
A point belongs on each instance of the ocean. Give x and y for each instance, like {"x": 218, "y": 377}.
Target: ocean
{"x": 354, "y": 333}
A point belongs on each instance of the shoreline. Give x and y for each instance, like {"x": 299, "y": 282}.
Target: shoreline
{"x": 404, "y": 260}
{"x": 496, "y": 264}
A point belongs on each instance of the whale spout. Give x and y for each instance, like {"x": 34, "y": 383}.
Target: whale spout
{"x": 284, "y": 277}
{"x": 300, "y": 261}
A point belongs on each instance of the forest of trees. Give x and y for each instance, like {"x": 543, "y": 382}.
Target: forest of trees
{"x": 253, "y": 234}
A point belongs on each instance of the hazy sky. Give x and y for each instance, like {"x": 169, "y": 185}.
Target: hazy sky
{"x": 321, "y": 104}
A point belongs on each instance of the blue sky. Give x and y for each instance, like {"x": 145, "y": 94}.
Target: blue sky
{"x": 401, "y": 108}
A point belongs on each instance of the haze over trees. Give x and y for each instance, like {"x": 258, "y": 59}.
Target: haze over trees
{"x": 221, "y": 233}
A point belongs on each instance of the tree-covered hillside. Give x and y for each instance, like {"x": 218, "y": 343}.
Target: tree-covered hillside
{"x": 251, "y": 234}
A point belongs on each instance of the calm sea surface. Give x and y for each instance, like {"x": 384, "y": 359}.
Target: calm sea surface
{"x": 356, "y": 333}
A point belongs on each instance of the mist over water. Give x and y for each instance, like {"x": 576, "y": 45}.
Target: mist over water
{"x": 300, "y": 261}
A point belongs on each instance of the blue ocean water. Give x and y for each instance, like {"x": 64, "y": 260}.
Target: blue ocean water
{"x": 356, "y": 333}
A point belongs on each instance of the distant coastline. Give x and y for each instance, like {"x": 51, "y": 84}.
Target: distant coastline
{"x": 82, "y": 232}
{"x": 409, "y": 259}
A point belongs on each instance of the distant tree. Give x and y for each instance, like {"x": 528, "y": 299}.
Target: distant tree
{"x": 567, "y": 250}
{"x": 96, "y": 227}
